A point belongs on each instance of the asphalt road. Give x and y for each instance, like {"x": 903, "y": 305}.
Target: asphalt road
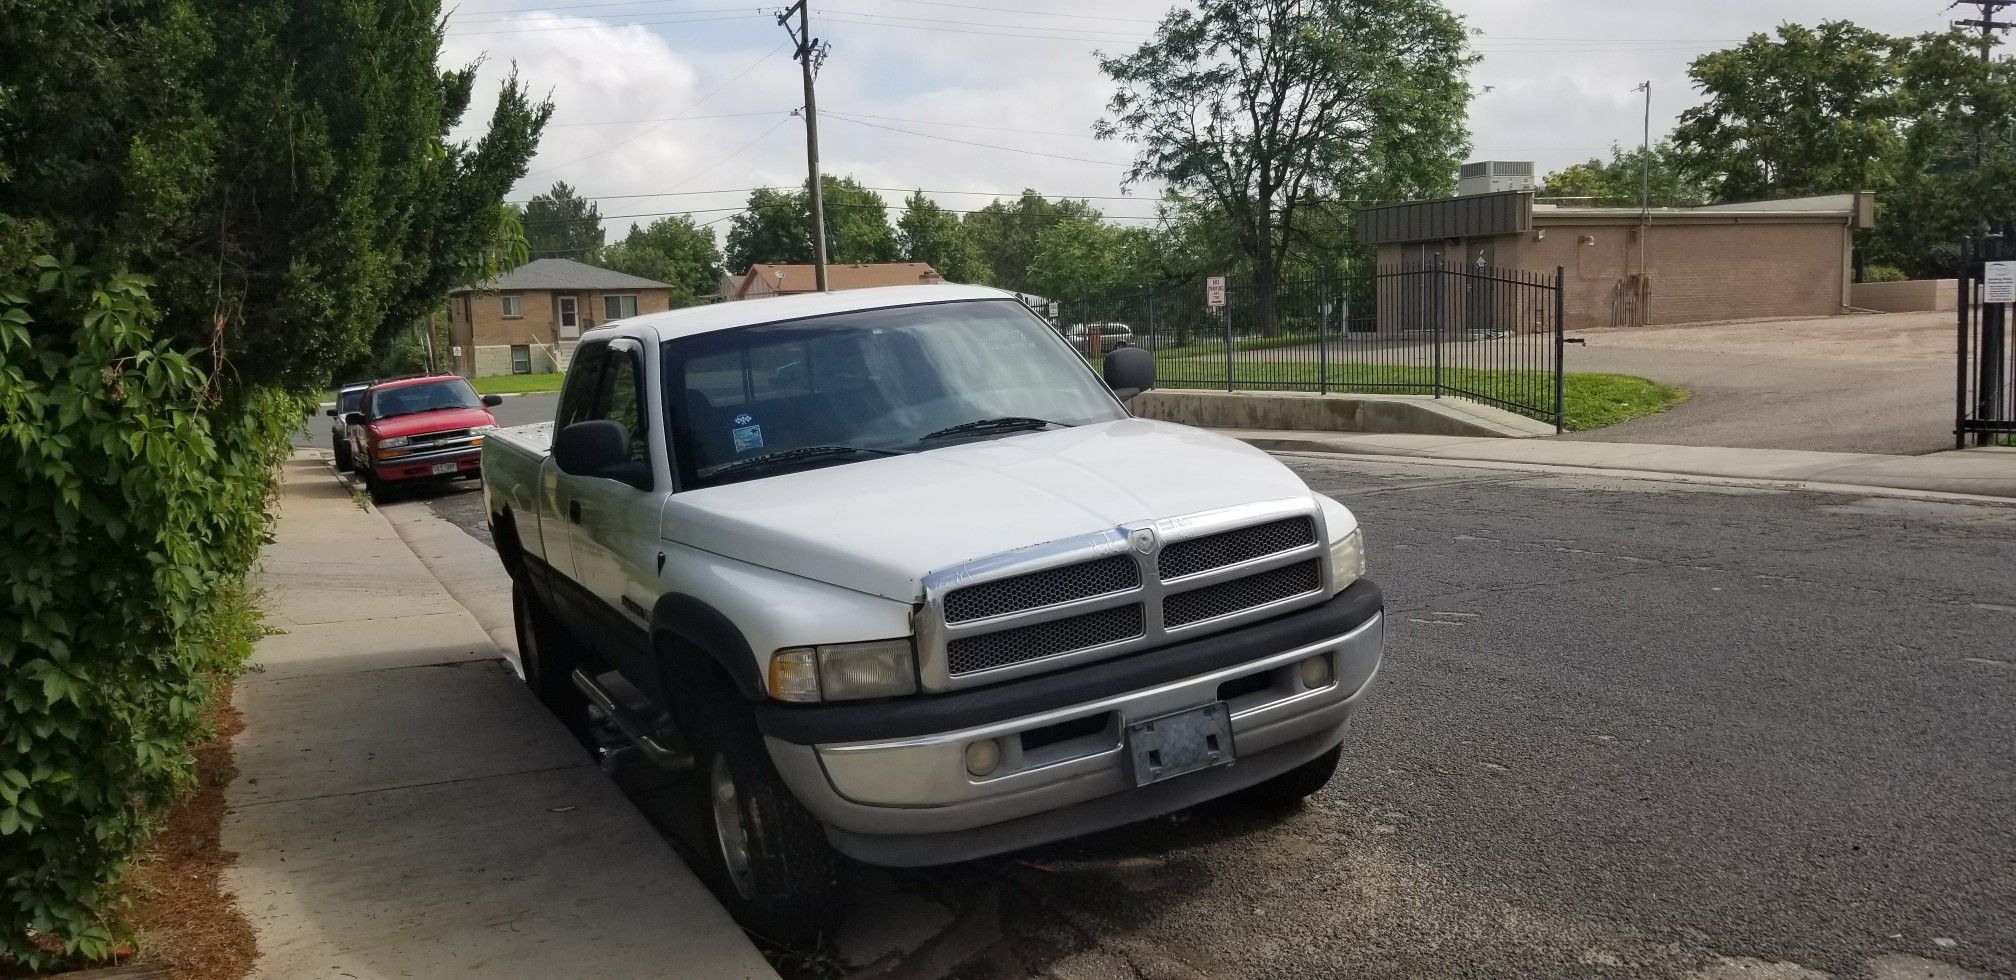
{"x": 1626, "y": 729}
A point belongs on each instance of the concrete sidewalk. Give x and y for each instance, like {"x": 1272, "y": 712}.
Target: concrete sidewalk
{"x": 403, "y": 807}
{"x": 1974, "y": 472}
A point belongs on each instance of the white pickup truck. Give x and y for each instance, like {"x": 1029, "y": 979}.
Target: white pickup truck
{"x": 902, "y": 580}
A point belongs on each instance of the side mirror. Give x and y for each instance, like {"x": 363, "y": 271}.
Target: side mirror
{"x": 492, "y": 401}
{"x": 1129, "y": 371}
{"x": 591, "y": 448}
{"x": 354, "y": 418}
{"x": 329, "y": 412}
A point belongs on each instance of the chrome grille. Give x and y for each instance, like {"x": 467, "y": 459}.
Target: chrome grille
{"x": 987, "y": 651}
{"x": 1212, "y": 601}
{"x": 1232, "y": 547}
{"x": 1116, "y": 591}
{"x": 1049, "y": 587}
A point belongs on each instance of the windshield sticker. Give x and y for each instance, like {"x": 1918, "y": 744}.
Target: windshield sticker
{"x": 747, "y": 437}
{"x": 744, "y": 419}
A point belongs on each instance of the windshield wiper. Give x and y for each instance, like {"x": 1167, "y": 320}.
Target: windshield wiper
{"x": 1005, "y": 423}
{"x": 790, "y": 455}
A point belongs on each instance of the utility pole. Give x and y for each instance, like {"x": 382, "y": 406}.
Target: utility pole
{"x": 1986, "y": 22}
{"x": 811, "y": 54}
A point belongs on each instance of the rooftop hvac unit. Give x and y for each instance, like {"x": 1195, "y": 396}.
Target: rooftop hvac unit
{"x": 1493, "y": 176}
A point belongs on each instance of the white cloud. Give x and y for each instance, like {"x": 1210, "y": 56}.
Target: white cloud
{"x": 1560, "y": 71}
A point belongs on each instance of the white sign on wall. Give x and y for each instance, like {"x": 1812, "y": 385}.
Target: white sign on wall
{"x": 1214, "y": 291}
{"x": 1998, "y": 282}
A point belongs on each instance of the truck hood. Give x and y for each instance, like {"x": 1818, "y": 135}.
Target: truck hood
{"x": 880, "y": 525}
{"x": 421, "y": 423}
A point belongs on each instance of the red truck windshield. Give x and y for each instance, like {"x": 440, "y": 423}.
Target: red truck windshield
{"x": 425, "y": 397}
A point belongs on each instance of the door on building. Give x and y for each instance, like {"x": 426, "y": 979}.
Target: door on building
{"x": 1480, "y": 295}
{"x": 570, "y": 317}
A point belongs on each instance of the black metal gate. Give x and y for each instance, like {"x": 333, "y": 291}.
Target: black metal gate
{"x": 1984, "y": 396}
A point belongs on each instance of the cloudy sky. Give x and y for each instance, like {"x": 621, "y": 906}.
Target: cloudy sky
{"x": 683, "y": 105}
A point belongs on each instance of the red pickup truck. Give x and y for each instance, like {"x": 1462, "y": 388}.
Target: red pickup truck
{"x": 414, "y": 429}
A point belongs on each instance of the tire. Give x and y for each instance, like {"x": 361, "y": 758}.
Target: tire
{"x": 1288, "y": 790}
{"x": 548, "y": 654}
{"x": 767, "y": 857}
{"x": 342, "y": 448}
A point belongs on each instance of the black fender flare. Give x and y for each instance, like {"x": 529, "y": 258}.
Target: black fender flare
{"x": 702, "y": 627}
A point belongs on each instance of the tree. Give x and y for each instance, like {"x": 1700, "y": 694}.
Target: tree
{"x": 1079, "y": 256}
{"x": 560, "y": 224}
{"x": 1813, "y": 111}
{"x": 672, "y": 250}
{"x": 1004, "y": 233}
{"x": 1617, "y": 182}
{"x": 1261, "y": 107}
{"x": 777, "y": 226}
{"x": 204, "y": 207}
{"x": 1957, "y": 164}
{"x": 929, "y": 233}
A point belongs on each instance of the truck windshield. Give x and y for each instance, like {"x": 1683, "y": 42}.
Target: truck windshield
{"x": 877, "y": 382}
{"x": 411, "y": 399}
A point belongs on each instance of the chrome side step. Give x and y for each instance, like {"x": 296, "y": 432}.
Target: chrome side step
{"x": 640, "y": 732}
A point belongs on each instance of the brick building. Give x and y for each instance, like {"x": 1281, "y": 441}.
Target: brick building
{"x": 1621, "y": 267}
{"x": 527, "y": 320}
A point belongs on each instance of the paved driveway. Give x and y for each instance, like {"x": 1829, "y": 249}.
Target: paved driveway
{"x": 1876, "y": 383}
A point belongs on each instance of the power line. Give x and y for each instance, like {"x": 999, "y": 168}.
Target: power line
{"x": 633, "y": 122}
{"x": 646, "y": 132}
{"x": 731, "y": 212}
{"x": 894, "y": 190}
{"x": 1112, "y": 35}
{"x": 989, "y": 146}
{"x": 1034, "y": 34}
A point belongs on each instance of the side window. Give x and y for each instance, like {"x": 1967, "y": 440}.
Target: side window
{"x": 584, "y": 375}
{"x": 620, "y": 398}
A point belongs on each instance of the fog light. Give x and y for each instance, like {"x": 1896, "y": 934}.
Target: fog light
{"x": 983, "y": 757}
{"x": 1316, "y": 672}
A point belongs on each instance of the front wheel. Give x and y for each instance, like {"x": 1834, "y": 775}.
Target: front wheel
{"x": 342, "y": 449}
{"x": 1288, "y": 790}
{"x": 770, "y": 862}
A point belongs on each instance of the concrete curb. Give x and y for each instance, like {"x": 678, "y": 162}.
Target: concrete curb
{"x": 1974, "y": 475}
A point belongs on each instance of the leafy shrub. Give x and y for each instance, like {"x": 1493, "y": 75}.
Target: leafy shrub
{"x": 133, "y": 496}
{"x": 1877, "y": 272}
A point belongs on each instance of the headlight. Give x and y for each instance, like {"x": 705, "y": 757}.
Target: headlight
{"x": 1347, "y": 559}
{"x": 394, "y": 442}
{"x": 844, "y": 671}
{"x": 479, "y": 430}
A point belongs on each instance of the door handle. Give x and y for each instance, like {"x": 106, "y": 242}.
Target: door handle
{"x": 574, "y": 511}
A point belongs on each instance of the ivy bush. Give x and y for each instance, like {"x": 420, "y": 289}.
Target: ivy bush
{"x": 133, "y": 495}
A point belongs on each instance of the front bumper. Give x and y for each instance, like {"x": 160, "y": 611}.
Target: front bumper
{"x": 467, "y": 462}
{"x": 908, "y": 799}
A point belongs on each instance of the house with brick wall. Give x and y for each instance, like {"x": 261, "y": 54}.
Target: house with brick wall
{"x": 527, "y": 320}
{"x": 766, "y": 279}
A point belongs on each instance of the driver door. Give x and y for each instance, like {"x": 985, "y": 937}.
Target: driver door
{"x": 613, "y": 523}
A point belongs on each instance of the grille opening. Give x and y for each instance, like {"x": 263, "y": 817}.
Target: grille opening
{"x": 1049, "y": 587}
{"x": 1232, "y": 547}
{"x": 1239, "y": 687}
{"x": 1225, "y": 598}
{"x": 1065, "y": 731}
{"x": 987, "y": 651}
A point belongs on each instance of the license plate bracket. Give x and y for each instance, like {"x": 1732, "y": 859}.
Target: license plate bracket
{"x": 441, "y": 468}
{"x": 1180, "y": 742}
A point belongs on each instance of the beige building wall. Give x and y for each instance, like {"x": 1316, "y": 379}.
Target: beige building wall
{"x": 1695, "y": 270}
{"x": 477, "y": 325}
{"x": 1909, "y": 296}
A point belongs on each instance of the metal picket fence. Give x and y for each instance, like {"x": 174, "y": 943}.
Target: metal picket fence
{"x": 1491, "y": 335}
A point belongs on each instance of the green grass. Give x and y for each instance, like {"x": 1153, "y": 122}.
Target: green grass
{"x": 516, "y": 384}
{"x": 1588, "y": 401}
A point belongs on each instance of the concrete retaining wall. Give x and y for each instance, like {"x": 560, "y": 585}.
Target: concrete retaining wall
{"x": 1281, "y": 410}
{"x": 1910, "y": 296}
